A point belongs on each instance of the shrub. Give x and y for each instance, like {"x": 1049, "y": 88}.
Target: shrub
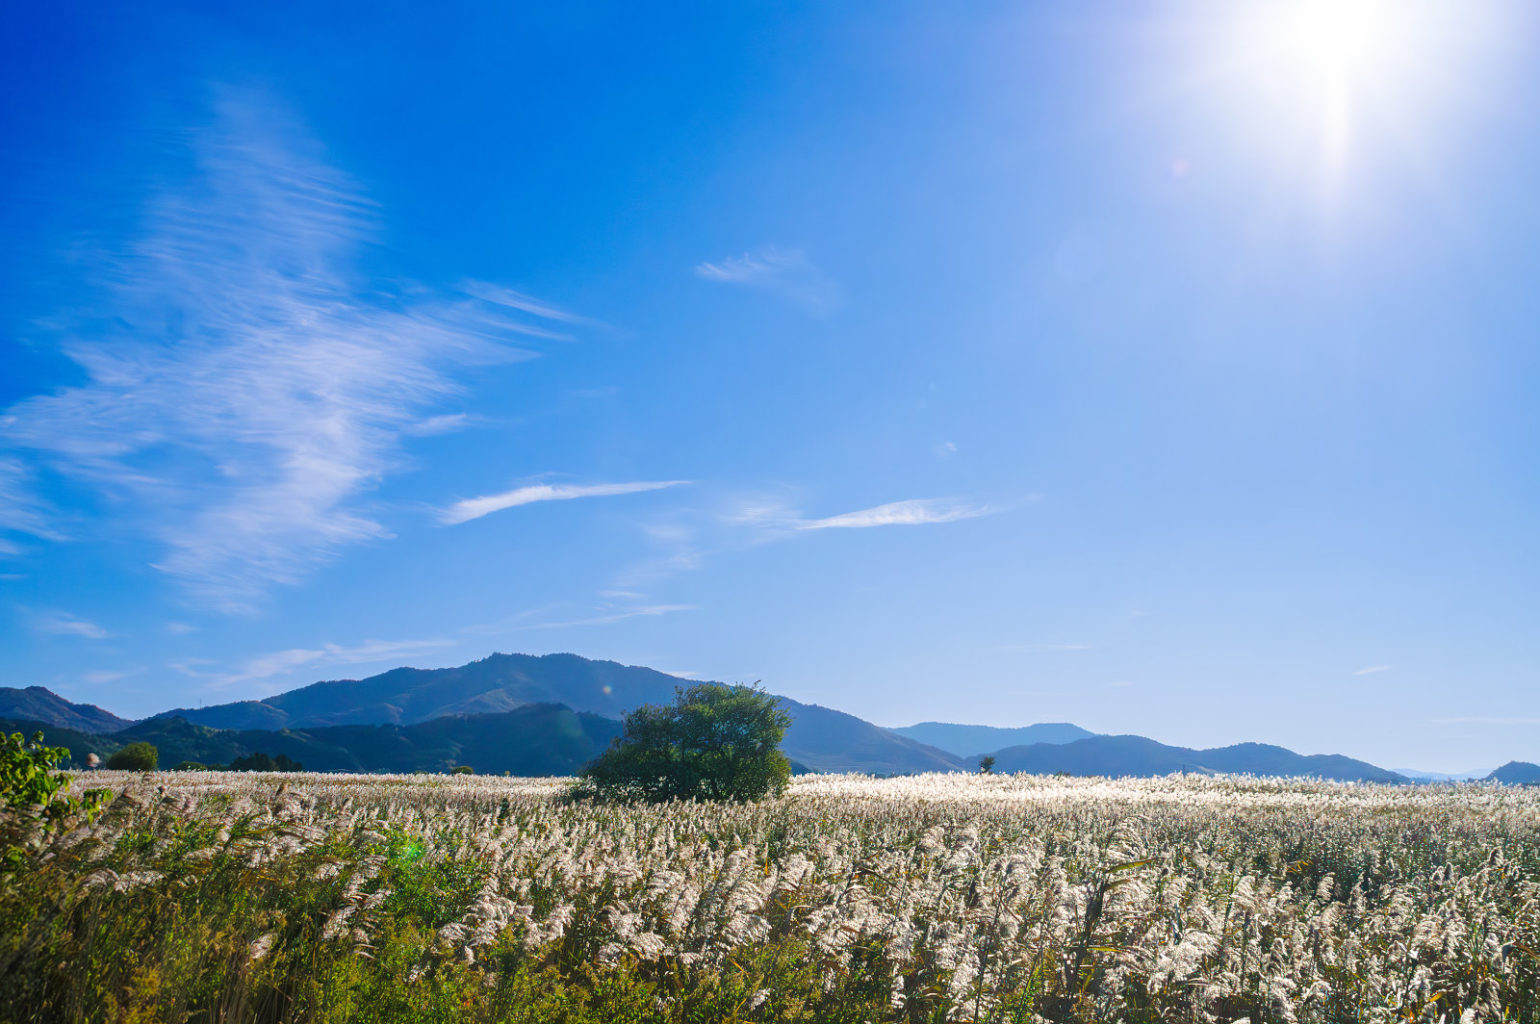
{"x": 713, "y": 743}
{"x": 27, "y": 771}
{"x": 30, "y": 783}
{"x": 136, "y": 757}
{"x": 463, "y": 769}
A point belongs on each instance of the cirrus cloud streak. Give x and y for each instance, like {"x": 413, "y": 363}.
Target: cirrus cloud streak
{"x": 475, "y": 508}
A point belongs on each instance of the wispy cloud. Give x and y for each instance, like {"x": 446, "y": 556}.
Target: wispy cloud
{"x": 510, "y": 299}
{"x": 620, "y": 615}
{"x": 435, "y": 425}
{"x": 563, "y": 616}
{"x": 65, "y": 624}
{"x": 475, "y": 508}
{"x": 916, "y": 512}
{"x": 775, "y": 517}
{"x": 1370, "y": 670}
{"x": 278, "y": 663}
{"x": 21, "y": 510}
{"x": 102, "y": 677}
{"x": 784, "y": 272}
{"x": 244, "y": 389}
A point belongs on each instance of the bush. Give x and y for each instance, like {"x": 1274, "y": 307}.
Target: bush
{"x": 713, "y": 743}
{"x": 463, "y": 769}
{"x": 27, "y": 771}
{"x": 29, "y": 790}
{"x": 136, "y": 757}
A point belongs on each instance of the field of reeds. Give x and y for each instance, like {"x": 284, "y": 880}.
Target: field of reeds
{"x": 237, "y": 897}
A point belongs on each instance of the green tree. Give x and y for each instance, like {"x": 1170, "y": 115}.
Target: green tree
{"x": 713, "y": 743}
{"x": 136, "y": 757}
{"x": 987, "y": 764}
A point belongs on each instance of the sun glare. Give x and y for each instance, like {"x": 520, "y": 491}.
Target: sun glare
{"x": 1341, "y": 76}
{"x": 1333, "y": 38}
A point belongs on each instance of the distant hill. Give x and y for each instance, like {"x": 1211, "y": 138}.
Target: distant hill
{"x": 39, "y": 704}
{"x": 819, "y": 738}
{"x": 1137, "y": 756}
{"x": 78, "y": 743}
{"x": 404, "y": 696}
{"x": 548, "y": 715}
{"x": 826, "y": 740}
{"x": 968, "y": 741}
{"x": 537, "y": 739}
{"x": 1517, "y": 773}
{"x": 1417, "y": 775}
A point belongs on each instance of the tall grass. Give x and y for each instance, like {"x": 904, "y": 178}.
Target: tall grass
{"x": 209, "y": 897}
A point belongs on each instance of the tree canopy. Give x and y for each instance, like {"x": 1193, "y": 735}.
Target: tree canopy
{"x": 136, "y": 757}
{"x": 713, "y": 743}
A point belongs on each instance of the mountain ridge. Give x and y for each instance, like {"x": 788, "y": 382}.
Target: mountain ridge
{"x": 1140, "y": 756}
{"x": 536, "y": 739}
{"x": 1517, "y": 773}
{"x": 500, "y": 690}
{"x": 819, "y": 738}
{"x": 970, "y": 741}
{"x": 40, "y": 704}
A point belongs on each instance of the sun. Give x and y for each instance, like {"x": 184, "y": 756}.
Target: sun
{"x": 1329, "y": 81}
{"x": 1334, "y": 40}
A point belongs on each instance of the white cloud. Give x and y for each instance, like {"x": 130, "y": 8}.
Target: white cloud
{"x": 784, "y": 272}
{"x": 916, "y": 512}
{"x": 507, "y": 297}
{"x": 65, "y": 624}
{"x": 475, "y": 508}
{"x": 1370, "y": 670}
{"x": 767, "y": 518}
{"x": 101, "y": 677}
{"x": 621, "y": 615}
{"x": 21, "y": 510}
{"x": 435, "y": 425}
{"x": 277, "y": 663}
{"x": 243, "y": 389}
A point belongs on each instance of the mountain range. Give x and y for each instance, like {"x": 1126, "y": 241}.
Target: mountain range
{"x": 970, "y": 741}
{"x": 39, "y": 704}
{"x": 549, "y": 715}
{"x": 1136, "y": 755}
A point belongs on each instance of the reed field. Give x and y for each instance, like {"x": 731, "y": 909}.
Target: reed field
{"x": 226, "y": 897}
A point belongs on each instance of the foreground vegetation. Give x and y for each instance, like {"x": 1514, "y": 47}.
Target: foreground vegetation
{"x": 240, "y": 897}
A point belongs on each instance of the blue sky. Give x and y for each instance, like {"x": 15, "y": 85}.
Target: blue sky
{"x": 1162, "y": 367}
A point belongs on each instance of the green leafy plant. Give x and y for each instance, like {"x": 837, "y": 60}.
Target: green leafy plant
{"x": 28, "y": 772}
{"x": 136, "y": 757}
{"x": 713, "y": 743}
{"x": 30, "y": 787}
